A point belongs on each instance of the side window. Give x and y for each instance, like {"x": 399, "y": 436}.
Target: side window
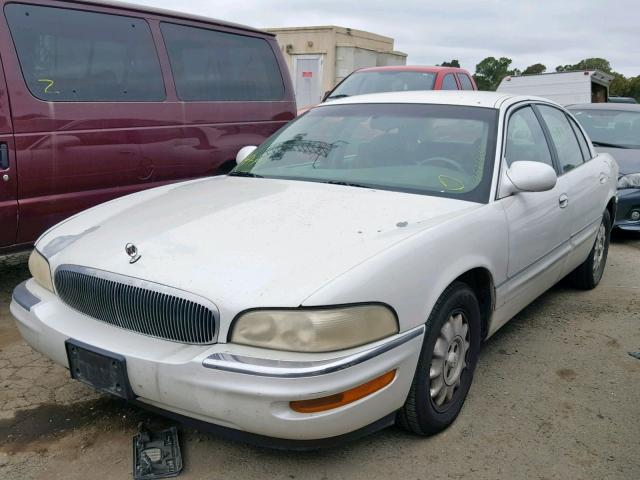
{"x": 525, "y": 139}
{"x": 449, "y": 82}
{"x": 563, "y": 136}
{"x": 78, "y": 56}
{"x": 208, "y": 65}
{"x": 584, "y": 146}
{"x": 465, "y": 81}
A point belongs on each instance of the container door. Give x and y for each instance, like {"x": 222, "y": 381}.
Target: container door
{"x": 8, "y": 177}
{"x": 308, "y": 79}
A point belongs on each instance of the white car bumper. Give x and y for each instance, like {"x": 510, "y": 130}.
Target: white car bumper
{"x": 241, "y": 388}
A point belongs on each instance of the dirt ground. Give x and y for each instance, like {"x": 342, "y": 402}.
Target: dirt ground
{"x": 556, "y": 396}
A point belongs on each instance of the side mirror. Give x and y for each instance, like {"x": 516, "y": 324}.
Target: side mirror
{"x": 526, "y": 176}
{"x": 326, "y": 95}
{"x": 244, "y": 153}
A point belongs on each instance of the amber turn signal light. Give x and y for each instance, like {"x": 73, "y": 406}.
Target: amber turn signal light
{"x": 339, "y": 399}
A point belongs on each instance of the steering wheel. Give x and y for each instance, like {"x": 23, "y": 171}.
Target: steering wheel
{"x": 452, "y": 163}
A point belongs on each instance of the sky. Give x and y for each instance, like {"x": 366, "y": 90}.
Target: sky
{"x": 552, "y": 32}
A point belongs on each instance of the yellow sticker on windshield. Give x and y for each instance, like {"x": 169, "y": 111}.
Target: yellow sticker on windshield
{"x": 450, "y": 183}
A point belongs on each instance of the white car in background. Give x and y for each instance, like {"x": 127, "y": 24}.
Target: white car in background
{"x": 341, "y": 278}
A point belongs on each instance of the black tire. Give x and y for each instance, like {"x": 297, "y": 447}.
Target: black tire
{"x": 420, "y": 414}
{"x": 587, "y": 277}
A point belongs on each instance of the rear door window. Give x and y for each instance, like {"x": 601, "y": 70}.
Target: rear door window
{"x": 209, "y": 65}
{"x": 563, "y": 136}
{"x": 449, "y": 82}
{"x": 79, "y": 56}
{"x": 465, "y": 81}
{"x": 584, "y": 146}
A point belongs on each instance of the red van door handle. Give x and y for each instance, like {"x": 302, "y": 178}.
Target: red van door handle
{"x": 4, "y": 156}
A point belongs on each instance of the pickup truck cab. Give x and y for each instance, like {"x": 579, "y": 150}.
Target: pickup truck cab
{"x": 400, "y": 79}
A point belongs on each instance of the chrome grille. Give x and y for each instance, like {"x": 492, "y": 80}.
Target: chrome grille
{"x": 140, "y": 306}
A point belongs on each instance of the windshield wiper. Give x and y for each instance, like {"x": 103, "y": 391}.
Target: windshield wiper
{"x": 610, "y": 145}
{"x": 346, "y": 184}
{"x": 340, "y": 95}
{"x": 245, "y": 174}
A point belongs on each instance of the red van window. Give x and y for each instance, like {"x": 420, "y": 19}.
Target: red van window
{"x": 208, "y": 65}
{"x": 73, "y": 55}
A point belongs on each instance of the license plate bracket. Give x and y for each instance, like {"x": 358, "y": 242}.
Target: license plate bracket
{"x": 105, "y": 371}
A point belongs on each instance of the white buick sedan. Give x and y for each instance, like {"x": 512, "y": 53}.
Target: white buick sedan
{"x": 343, "y": 277}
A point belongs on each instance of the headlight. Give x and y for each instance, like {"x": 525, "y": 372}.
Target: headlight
{"x": 40, "y": 270}
{"x": 629, "y": 181}
{"x": 314, "y": 330}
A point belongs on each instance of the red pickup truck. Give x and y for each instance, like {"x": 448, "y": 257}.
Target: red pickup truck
{"x": 400, "y": 78}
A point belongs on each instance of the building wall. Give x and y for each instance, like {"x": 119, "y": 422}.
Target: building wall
{"x": 342, "y": 49}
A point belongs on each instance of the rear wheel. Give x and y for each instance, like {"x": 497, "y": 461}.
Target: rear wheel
{"x": 447, "y": 362}
{"x": 589, "y": 274}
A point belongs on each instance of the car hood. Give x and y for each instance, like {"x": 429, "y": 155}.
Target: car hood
{"x": 628, "y": 159}
{"x": 245, "y": 242}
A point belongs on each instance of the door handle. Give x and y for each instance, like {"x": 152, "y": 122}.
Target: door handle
{"x": 603, "y": 178}
{"x": 4, "y": 156}
{"x": 563, "y": 200}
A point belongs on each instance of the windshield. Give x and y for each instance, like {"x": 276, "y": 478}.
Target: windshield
{"x": 441, "y": 150}
{"x": 612, "y": 127}
{"x": 361, "y": 83}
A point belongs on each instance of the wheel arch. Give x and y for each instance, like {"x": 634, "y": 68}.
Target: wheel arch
{"x": 480, "y": 280}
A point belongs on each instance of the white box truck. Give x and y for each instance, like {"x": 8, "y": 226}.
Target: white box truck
{"x": 565, "y": 88}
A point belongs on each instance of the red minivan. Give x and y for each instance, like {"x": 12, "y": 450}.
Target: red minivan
{"x": 98, "y": 100}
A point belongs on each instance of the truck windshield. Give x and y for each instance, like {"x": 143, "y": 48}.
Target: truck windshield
{"x": 441, "y": 150}
{"x": 611, "y": 127}
{"x": 361, "y": 83}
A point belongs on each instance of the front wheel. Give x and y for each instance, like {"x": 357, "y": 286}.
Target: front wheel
{"x": 447, "y": 362}
{"x": 588, "y": 275}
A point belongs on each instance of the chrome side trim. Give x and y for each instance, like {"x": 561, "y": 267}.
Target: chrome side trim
{"x": 264, "y": 367}
{"x": 23, "y": 297}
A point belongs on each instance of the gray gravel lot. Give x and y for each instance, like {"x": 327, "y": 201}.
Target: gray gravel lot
{"x": 556, "y": 396}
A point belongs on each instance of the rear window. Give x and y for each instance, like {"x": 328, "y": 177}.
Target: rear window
{"x": 77, "y": 56}
{"x": 209, "y": 65}
{"x": 360, "y": 83}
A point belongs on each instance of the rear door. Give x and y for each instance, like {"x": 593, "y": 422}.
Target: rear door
{"x": 8, "y": 171}
{"x": 585, "y": 179}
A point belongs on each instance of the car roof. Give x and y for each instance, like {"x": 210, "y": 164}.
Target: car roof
{"x": 440, "y": 97}
{"x": 138, "y": 8}
{"x": 628, "y": 107}
{"x": 412, "y": 68}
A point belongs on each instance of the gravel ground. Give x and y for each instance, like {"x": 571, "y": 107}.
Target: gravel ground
{"x": 555, "y": 396}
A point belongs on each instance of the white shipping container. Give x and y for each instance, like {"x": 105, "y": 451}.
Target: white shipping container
{"x": 565, "y": 88}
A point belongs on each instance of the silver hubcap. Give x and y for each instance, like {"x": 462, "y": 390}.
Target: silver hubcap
{"x": 598, "y": 254}
{"x": 449, "y": 359}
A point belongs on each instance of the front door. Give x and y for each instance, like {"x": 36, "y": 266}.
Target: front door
{"x": 538, "y": 222}
{"x": 307, "y": 70}
{"x": 8, "y": 177}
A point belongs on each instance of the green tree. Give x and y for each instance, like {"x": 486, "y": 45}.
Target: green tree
{"x": 491, "y": 71}
{"x": 595, "y": 63}
{"x": 534, "y": 69}
{"x": 452, "y": 63}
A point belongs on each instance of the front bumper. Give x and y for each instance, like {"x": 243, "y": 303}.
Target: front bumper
{"x": 628, "y": 200}
{"x": 235, "y": 387}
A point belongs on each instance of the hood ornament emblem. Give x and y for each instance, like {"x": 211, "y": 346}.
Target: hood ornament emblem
{"x": 132, "y": 251}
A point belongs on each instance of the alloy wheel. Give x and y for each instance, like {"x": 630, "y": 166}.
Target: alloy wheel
{"x": 448, "y": 360}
